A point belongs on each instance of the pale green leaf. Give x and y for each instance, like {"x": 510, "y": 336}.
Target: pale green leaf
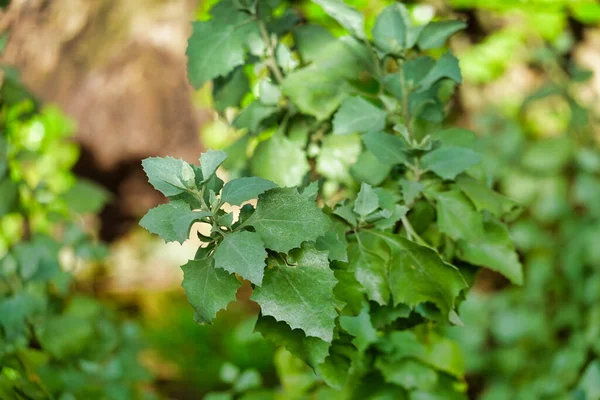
{"x": 436, "y": 33}
{"x": 208, "y": 289}
{"x": 410, "y": 190}
{"x": 410, "y": 374}
{"x": 361, "y": 328}
{"x": 284, "y": 219}
{"x": 172, "y": 221}
{"x": 237, "y": 191}
{"x": 301, "y": 295}
{"x": 446, "y": 67}
{"x": 280, "y": 160}
{"x": 494, "y": 250}
{"x": 389, "y": 32}
{"x": 388, "y": 149}
{"x": 447, "y": 162}
{"x": 357, "y": 115}
{"x": 242, "y": 253}
{"x": 337, "y": 155}
{"x": 485, "y": 198}
{"x": 349, "y": 17}
{"x": 367, "y": 200}
{"x": 456, "y": 216}
{"x": 168, "y": 175}
{"x": 210, "y": 161}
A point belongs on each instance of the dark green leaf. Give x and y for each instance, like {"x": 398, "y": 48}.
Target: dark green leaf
{"x": 361, "y": 328}
{"x": 242, "y": 253}
{"x": 284, "y": 219}
{"x": 456, "y": 216}
{"x": 208, "y": 289}
{"x": 301, "y": 295}
{"x": 445, "y": 67}
{"x": 447, "y": 162}
{"x": 172, "y": 221}
{"x": 388, "y": 149}
{"x": 237, "y": 191}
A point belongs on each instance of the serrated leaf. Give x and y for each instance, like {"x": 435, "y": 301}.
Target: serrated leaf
{"x": 389, "y": 32}
{"x": 284, "y": 219}
{"x": 367, "y": 200}
{"x": 349, "y": 17}
{"x": 208, "y": 289}
{"x": 349, "y": 291}
{"x": 436, "y": 33}
{"x": 214, "y": 49}
{"x": 237, "y": 191}
{"x": 361, "y": 328}
{"x": 336, "y": 368}
{"x": 446, "y": 67}
{"x": 311, "y": 350}
{"x": 447, "y": 162}
{"x": 301, "y": 295}
{"x": 417, "y": 274}
{"x": 369, "y": 260}
{"x": 172, "y": 221}
{"x": 388, "y": 149}
{"x": 334, "y": 242}
{"x": 242, "y": 253}
{"x": 344, "y": 211}
{"x": 357, "y": 115}
{"x": 210, "y": 161}
{"x": 456, "y": 216}
{"x": 494, "y": 250}
{"x": 168, "y": 175}
{"x": 280, "y": 160}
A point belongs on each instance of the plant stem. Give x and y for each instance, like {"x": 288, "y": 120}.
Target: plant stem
{"x": 271, "y": 62}
{"x": 412, "y": 234}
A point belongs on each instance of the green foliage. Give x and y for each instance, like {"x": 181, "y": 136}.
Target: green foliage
{"x": 555, "y": 317}
{"x": 358, "y": 267}
{"x": 53, "y": 343}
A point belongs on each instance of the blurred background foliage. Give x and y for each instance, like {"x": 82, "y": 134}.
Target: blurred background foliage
{"x": 531, "y": 87}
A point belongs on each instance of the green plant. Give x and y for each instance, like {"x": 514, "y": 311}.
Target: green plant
{"x": 555, "y": 318}
{"x": 54, "y": 343}
{"x": 357, "y": 268}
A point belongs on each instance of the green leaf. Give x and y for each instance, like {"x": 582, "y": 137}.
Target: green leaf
{"x": 301, "y": 295}
{"x": 209, "y": 162}
{"x": 347, "y": 16}
{"x": 86, "y": 197}
{"x": 361, "y": 328}
{"x": 252, "y": 117}
{"x": 208, "y": 289}
{"x": 410, "y": 374}
{"x": 389, "y": 32}
{"x": 367, "y": 201}
{"x": 456, "y": 216}
{"x": 214, "y": 49}
{"x": 447, "y": 162}
{"x": 388, "y": 149}
{"x": 280, "y": 160}
{"x": 172, "y": 221}
{"x": 237, "y": 191}
{"x": 485, "y": 198}
{"x": 335, "y": 244}
{"x": 314, "y": 92}
{"x": 369, "y": 259}
{"x": 336, "y": 156}
{"x": 168, "y": 175}
{"x": 411, "y": 190}
{"x": 9, "y": 201}
{"x": 446, "y": 67}
{"x": 417, "y": 274}
{"x": 311, "y": 350}
{"x": 357, "y": 115}
{"x": 284, "y": 219}
{"x": 436, "y": 33}
{"x": 369, "y": 169}
{"x": 494, "y": 250}
{"x": 242, "y": 253}
{"x": 230, "y": 90}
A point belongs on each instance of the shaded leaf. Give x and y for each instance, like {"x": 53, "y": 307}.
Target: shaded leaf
{"x": 242, "y": 253}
